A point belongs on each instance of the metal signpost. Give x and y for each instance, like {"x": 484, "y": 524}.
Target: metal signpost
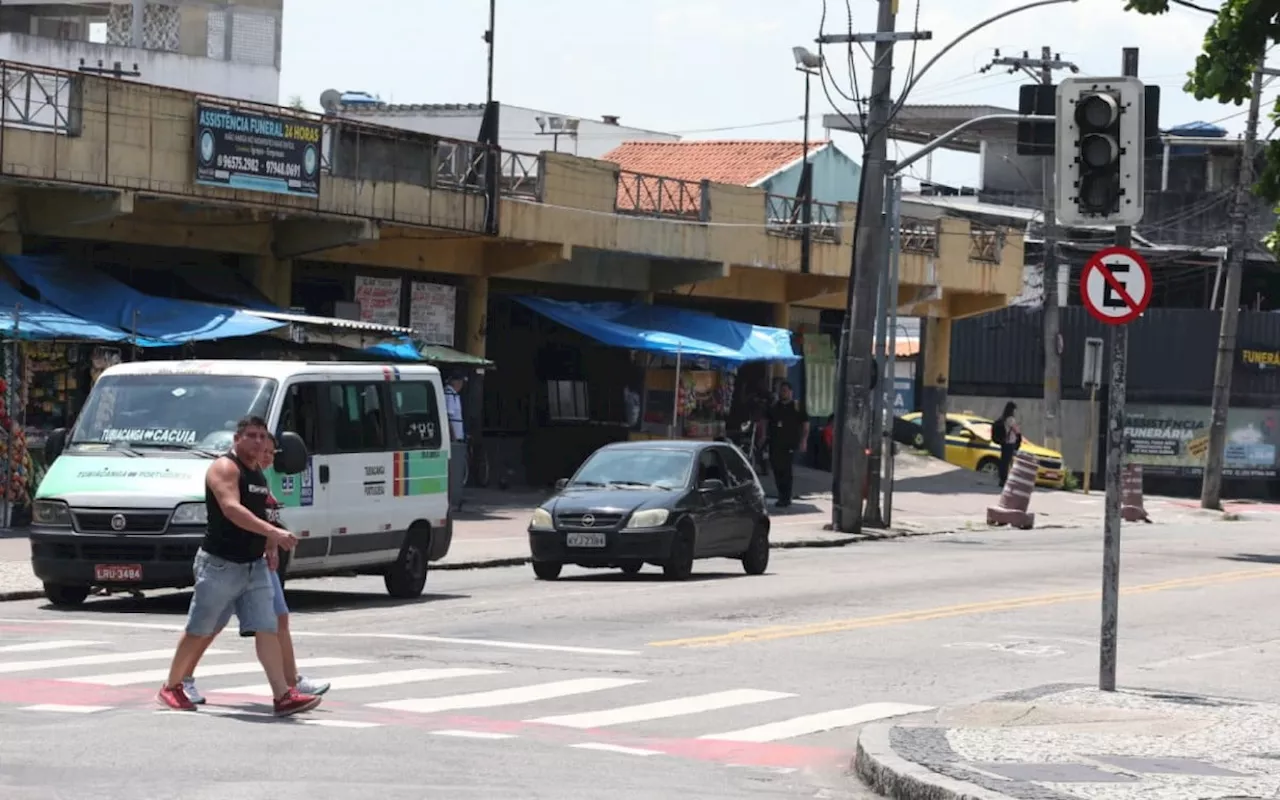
{"x": 1116, "y": 289}
{"x": 1091, "y": 381}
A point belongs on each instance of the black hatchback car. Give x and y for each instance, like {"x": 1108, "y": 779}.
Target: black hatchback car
{"x": 659, "y": 502}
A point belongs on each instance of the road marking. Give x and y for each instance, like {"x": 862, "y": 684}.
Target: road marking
{"x": 87, "y": 661}
{"x": 474, "y": 734}
{"x": 339, "y": 723}
{"x": 1164, "y": 662}
{"x": 36, "y": 647}
{"x": 662, "y": 710}
{"x": 371, "y": 680}
{"x": 774, "y": 632}
{"x": 144, "y": 626}
{"x": 67, "y": 709}
{"x": 505, "y": 697}
{"x": 204, "y": 671}
{"x": 616, "y": 748}
{"x": 817, "y": 723}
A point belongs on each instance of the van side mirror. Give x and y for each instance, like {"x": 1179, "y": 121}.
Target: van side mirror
{"x": 711, "y": 485}
{"x": 54, "y": 445}
{"x": 561, "y": 483}
{"x": 291, "y": 458}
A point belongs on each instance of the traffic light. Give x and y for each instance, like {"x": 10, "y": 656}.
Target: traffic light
{"x": 1100, "y": 129}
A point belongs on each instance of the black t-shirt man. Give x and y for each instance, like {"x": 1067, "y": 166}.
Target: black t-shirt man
{"x": 224, "y": 538}
{"x": 788, "y": 429}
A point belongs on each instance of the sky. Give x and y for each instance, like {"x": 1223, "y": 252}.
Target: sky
{"x": 717, "y": 69}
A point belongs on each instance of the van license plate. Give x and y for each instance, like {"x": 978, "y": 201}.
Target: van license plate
{"x": 117, "y": 572}
{"x": 586, "y": 540}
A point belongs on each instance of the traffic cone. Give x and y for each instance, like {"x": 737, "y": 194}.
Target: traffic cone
{"x": 1131, "y": 508}
{"x": 1016, "y": 497}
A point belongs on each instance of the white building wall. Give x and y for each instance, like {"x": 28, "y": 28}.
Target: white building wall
{"x": 242, "y": 81}
{"x": 518, "y": 128}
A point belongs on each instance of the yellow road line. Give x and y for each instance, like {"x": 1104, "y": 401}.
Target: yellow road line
{"x": 945, "y": 612}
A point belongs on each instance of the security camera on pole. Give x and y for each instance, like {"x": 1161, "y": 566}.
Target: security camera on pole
{"x": 1100, "y": 144}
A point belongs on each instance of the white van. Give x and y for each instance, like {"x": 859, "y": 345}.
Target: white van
{"x": 362, "y": 472}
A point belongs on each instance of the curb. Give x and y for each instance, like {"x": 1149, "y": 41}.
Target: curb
{"x": 888, "y": 774}
{"x": 22, "y": 594}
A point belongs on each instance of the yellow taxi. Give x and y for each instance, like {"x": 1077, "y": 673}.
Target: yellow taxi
{"x": 969, "y": 445}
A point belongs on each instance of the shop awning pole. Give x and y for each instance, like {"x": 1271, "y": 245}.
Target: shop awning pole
{"x": 675, "y": 404}
{"x": 10, "y": 371}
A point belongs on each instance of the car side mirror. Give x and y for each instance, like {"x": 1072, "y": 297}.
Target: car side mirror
{"x": 561, "y": 483}
{"x": 711, "y": 485}
{"x": 291, "y": 458}
{"x": 54, "y": 445}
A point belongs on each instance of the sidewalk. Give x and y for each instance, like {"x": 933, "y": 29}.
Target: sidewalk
{"x": 1067, "y": 742}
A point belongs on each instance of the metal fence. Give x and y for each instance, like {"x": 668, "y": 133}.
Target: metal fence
{"x": 659, "y": 196}
{"x": 784, "y": 216}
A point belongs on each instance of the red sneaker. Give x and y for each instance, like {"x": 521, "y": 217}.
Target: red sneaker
{"x": 175, "y": 698}
{"x": 295, "y": 702}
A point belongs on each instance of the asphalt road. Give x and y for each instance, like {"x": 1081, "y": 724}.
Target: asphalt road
{"x": 598, "y": 685}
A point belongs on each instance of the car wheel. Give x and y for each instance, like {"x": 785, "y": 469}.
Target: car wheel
{"x": 632, "y": 567}
{"x": 547, "y": 570}
{"x": 63, "y": 596}
{"x": 917, "y": 441}
{"x": 680, "y": 564}
{"x": 988, "y": 466}
{"x": 406, "y": 578}
{"x": 756, "y": 560}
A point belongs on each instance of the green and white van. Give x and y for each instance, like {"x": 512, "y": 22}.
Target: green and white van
{"x": 362, "y": 472}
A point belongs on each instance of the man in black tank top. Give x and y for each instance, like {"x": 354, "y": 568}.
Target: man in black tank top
{"x": 231, "y": 571}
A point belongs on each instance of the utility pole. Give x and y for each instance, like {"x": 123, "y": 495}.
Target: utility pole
{"x": 1237, "y": 251}
{"x": 488, "y": 39}
{"x": 1041, "y": 69}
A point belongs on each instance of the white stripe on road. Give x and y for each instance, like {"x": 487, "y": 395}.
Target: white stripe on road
{"x": 67, "y": 709}
{"x": 816, "y": 723}
{"x": 88, "y": 661}
{"x": 372, "y": 680}
{"x": 36, "y": 647}
{"x": 202, "y": 672}
{"x": 474, "y": 734}
{"x": 616, "y": 748}
{"x": 662, "y": 710}
{"x": 505, "y": 697}
{"x": 339, "y": 723}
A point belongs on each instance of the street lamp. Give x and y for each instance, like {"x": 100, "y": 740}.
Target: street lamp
{"x": 557, "y": 126}
{"x": 810, "y": 65}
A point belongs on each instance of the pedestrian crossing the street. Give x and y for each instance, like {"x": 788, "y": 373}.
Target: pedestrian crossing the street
{"x": 625, "y": 714}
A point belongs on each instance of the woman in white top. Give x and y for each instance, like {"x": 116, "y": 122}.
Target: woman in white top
{"x": 1008, "y": 434}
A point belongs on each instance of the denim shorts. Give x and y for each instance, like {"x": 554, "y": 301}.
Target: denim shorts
{"x": 223, "y": 587}
{"x": 277, "y": 602}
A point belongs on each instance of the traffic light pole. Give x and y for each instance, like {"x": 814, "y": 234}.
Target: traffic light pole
{"x": 1115, "y": 455}
{"x": 1237, "y": 252}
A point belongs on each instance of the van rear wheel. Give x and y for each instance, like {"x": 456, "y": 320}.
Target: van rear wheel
{"x": 406, "y": 578}
{"x": 63, "y": 596}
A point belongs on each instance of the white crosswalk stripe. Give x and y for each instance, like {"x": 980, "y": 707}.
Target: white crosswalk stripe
{"x": 364, "y": 686}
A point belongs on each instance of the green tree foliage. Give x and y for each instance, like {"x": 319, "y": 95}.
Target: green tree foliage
{"x": 1234, "y": 44}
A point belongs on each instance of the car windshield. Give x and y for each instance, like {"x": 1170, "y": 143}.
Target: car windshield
{"x": 981, "y": 429}
{"x": 172, "y": 411}
{"x": 667, "y": 469}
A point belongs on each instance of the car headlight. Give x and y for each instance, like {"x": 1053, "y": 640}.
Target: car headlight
{"x": 541, "y": 519}
{"x": 190, "y": 514}
{"x": 51, "y": 512}
{"x": 649, "y": 518}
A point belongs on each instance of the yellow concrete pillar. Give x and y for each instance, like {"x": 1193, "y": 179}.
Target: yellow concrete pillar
{"x": 273, "y": 277}
{"x": 477, "y": 315}
{"x": 781, "y": 319}
{"x": 936, "y": 378}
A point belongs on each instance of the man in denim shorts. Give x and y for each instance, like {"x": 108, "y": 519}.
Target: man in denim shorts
{"x": 231, "y": 572}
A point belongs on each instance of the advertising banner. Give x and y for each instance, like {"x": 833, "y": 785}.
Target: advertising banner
{"x": 238, "y": 148}
{"x": 1174, "y": 440}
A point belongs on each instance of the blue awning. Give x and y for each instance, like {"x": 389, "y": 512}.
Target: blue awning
{"x": 37, "y": 321}
{"x": 661, "y": 329}
{"x": 92, "y": 295}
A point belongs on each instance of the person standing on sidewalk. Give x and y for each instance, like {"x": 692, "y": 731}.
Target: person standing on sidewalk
{"x": 231, "y": 572}
{"x": 458, "y": 438}
{"x": 1006, "y": 433}
{"x": 788, "y": 432}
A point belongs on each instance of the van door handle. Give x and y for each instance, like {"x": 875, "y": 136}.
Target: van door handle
{"x": 324, "y": 473}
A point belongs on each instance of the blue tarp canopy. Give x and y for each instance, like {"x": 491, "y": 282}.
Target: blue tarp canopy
{"x": 94, "y": 296}
{"x": 38, "y": 321}
{"x": 660, "y": 329}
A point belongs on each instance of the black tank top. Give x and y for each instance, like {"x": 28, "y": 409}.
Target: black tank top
{"x": 227, "y": 540}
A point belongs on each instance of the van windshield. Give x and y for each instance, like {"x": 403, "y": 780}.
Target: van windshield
{"x": 196, "y": 412}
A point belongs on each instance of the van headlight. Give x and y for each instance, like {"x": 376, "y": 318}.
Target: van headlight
{"x": 190, "y": 514}
{"x": 541, "y": 519}
{"x": 649, "y": 518}
{"x": 54, "y": 513}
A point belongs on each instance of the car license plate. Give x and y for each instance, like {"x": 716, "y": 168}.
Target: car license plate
{"x": 586, "y": 540}
{"x": 117, "y": 572}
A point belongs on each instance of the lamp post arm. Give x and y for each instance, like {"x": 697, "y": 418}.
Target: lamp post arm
{"x": 939, "y": 141}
